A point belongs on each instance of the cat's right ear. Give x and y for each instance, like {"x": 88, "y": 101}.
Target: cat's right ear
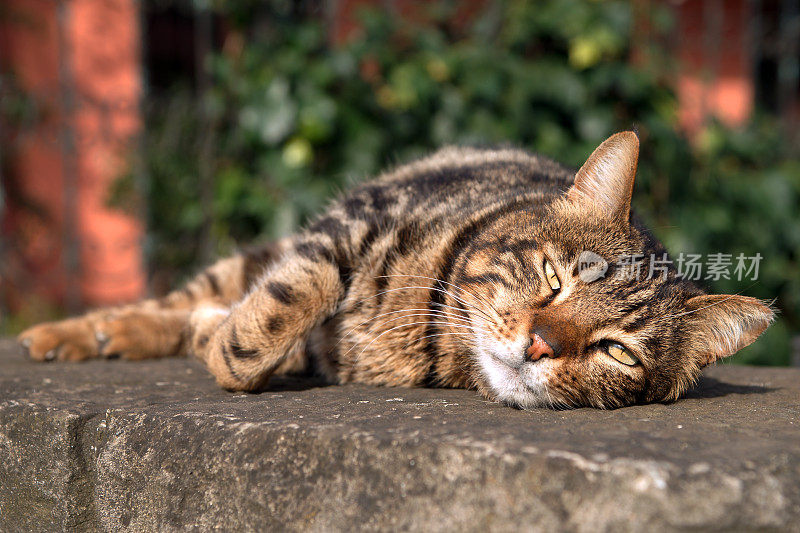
{"x": 606, "y": 179}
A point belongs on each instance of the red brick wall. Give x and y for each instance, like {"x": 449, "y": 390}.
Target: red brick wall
{"x": 80, "y": 61}
{"x": 716, "y": 77}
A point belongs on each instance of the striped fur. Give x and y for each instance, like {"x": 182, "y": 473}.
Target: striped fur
{"x": 432, "y": 275}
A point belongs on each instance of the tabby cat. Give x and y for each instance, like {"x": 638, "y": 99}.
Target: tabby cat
{"x": 463, "y": 269}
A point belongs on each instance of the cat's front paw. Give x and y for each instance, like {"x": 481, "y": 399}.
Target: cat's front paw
{"x": 236, "y": 366}
{"x": 66, "y": 340}
{"x": 141, "y": 334}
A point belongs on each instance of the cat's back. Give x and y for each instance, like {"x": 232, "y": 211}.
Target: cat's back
{"x": 457, "y": 178}
{"x": 456, "y": 167}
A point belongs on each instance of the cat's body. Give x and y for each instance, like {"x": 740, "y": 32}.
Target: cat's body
{"x": 458, "y": 270}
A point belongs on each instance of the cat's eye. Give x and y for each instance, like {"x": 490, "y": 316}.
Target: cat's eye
{"x": 621, "y": 354}
{"x": 550, "y": 274}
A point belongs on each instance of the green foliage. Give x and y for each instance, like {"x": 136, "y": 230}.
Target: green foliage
{"x": 290, "y": 119}
{"x": 741, "y": 196}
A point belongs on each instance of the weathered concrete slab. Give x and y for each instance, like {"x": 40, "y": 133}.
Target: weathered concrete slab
{"x": 157, "y": 446}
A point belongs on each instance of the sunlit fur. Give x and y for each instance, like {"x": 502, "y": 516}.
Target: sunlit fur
{"x": 432, "y": 275}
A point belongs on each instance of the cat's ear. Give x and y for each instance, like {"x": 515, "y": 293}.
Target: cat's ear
{"x": 720, "y": 325}
{"x": 606, "y": 179}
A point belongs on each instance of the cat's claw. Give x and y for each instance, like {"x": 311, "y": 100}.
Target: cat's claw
{"x": 102, "y": 339}
{"x": 26, "y": 346}
{"x": 50, "y": 355}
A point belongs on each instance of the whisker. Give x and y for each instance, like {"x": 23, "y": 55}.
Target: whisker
{"x": 457, "y": 309}
{"x": 462, "y": 300}
{"x": 452, "y": 316}
{"x": 470, "y": 329}
{"x": 549, "y": 396}
{"x": 485, "y": 319}
{"x": 443, "y": 291}
{"x": 458, "y": 287}
{"x": 407, "y": 288}
{"x": 467, "y": 325}
{"x": 463, "y": 333}
{"x": 392, "y": 329}
{"x": 460, "y": 363}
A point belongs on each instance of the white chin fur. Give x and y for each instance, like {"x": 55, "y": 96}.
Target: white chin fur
{"x": 522, "y": 384}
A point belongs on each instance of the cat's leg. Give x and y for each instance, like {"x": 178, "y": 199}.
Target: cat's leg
{"x": 151, "y": 328}
{"x": 244, "y": 347}
{"x": 131, "y": 332}
{"x": 204, "y": 321}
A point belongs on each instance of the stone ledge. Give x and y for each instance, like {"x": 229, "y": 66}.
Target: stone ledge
{"x": 157, "y": 446}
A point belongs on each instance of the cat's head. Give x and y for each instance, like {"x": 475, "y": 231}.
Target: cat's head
{"x": 568, "y": 307}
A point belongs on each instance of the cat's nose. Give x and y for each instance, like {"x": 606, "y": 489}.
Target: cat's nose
{"x": 539, "y": 347}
